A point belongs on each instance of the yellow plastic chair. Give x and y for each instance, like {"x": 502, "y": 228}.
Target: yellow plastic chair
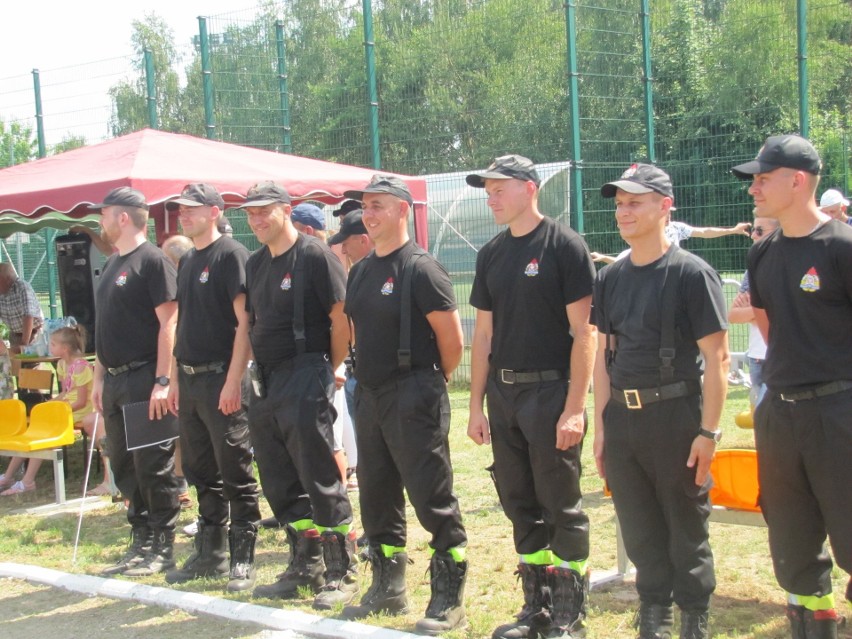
{"x": 734, "y": 472}
{"x": 51, "y": 426}
{"x": 13, "y": 417}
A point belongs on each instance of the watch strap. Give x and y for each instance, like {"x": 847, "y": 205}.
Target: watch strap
{"x": 715, "y": 435}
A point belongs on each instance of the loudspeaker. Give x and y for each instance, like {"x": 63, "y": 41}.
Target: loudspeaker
{"x": 79, "y": 266}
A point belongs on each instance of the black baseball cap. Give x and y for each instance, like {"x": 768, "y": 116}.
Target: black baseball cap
{"x": 351, "y": 225}
{"x": 224, "y": 225}
{"x": 639, "y": 179}
{"x": 347, "y": 207}
{"x": 264, "y": 193}
{"x": 122, "y": 196}
{"x": 383, "y": 184}
{"x": 506, "y": 167}
{"x": 199, "y": 195}
{"x": 781, "y": 151}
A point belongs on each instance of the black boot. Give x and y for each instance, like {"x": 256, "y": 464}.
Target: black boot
{"x": 341, "y": 570}
{"x": 654, "y": 621}
{"x": 159, "y": 559}
{"x": 694, "y": 624}
{"x": 387, "y": 593}
{"x": 305, "y": 569}
{"x": 141, "y": 538}
{"x": 210, "y": 558}
{"x": 535, "y": 616}
{"x": 569, "y": 592}
{"x": 446, "y": 607}
{"x": 807, "y": 624}
{"x": 242, "y": 573}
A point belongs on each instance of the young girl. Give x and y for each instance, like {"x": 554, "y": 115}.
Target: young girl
{"x": 75, "y": 376}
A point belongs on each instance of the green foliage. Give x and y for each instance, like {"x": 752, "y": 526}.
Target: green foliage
{"x": 17, "y": 144}
{"x": 68, "y": 143}
{"x": 460, "y": 81}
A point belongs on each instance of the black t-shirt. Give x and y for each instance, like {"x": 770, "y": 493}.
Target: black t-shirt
{"x": 270, "y": 283}
{"x": 805, "y": 286}
{"x": 632, "y": 306}
{"x": 131, "y": 287}
{"x": 373, "y": 301}
{"x": 208, "y": 282}
{"x": 526, "y": 282}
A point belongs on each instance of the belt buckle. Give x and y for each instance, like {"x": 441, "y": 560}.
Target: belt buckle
{"x": 632, "y": 399}
{"x": 791, "y": 400}
{"x": 189, "y": 370}
{"x": 503, "y": 379}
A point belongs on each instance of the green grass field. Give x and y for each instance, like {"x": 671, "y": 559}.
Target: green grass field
{"x": 747, "y": 604}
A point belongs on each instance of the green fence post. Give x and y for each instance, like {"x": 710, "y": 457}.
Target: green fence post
{"x": 151, "y": 90}
{"x": 207, "y": 78}
{"x": 576, "y": 170}
{"x": 39, "y": 114}
{"x": 648, "y": 81}
{"x": 49, "y": 235}
{"x": 283, "y": 91}
{"x": 373, "y": 94}
{"x": 802, "y": 31}
{"x": 42, "y": 152}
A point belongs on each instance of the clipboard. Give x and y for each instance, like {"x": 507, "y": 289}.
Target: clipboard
{"x": 142, "y": 432}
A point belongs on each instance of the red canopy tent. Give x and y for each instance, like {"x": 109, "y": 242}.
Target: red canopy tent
{"x": 159, "y": 164}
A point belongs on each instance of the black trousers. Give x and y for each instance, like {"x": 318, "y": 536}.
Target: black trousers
{"x": 804, "y": 453}
{"x": 291, "y": 431}
{"x": 145, "y": 476}
{"x": 216, "y": 453}
{"x": 538, "y": 485}
{"x": 403, "y": 429}
{"x": 663, "y": 514}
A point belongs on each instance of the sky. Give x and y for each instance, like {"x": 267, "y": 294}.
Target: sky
{"x": 54, "y": 34}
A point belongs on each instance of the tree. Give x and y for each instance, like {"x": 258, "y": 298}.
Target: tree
{"x": 17, "y": 144}
{"x": 130, "y": 109}
{"x": 68, "y": 143}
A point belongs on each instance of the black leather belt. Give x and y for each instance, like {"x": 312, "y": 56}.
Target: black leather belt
{"x": 528, "y": 377}
{"x": 210, "y": 367}
{"x": 636, "y": 398}
{"x": 823, "y": 390}
{"x": 129, "y": 366}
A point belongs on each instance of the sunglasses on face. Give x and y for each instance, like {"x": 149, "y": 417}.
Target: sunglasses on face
{"x": 759, "y": 231}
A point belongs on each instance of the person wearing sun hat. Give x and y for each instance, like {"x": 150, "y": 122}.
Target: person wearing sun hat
{"x": 835, "y": 204}
{"x": 800, "y": 280}
{"x": 531, "y": 360}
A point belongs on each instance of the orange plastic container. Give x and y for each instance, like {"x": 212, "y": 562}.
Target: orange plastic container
{"x": 734, "y": 473}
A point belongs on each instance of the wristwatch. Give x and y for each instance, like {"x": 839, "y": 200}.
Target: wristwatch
{"x": 715, "y": 435}
{"x": 162, "y": 380}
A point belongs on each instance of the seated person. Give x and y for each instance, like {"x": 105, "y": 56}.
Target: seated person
{"x": 75, "y": 375}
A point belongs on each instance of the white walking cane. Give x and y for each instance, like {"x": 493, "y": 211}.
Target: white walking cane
{"x": 85, "y": 485}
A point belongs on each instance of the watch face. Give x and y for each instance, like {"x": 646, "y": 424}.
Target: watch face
{"x": 163, "y": 380}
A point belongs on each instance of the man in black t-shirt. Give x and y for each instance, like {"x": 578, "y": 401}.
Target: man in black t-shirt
{"x": 402, "y": 408}
{"x": 801, "y": 292}
{"x": 136, "y": 312}
{"x": 211, "y": 353}
{"x": 656, "y": 429}
{"x": 532, "y": 292}
{"x": 299, "y": 335}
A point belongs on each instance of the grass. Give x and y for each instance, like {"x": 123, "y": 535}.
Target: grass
{"x": 748, "y": 603}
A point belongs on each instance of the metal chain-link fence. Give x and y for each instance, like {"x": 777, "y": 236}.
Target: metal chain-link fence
{"x": 441, "y": 87}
